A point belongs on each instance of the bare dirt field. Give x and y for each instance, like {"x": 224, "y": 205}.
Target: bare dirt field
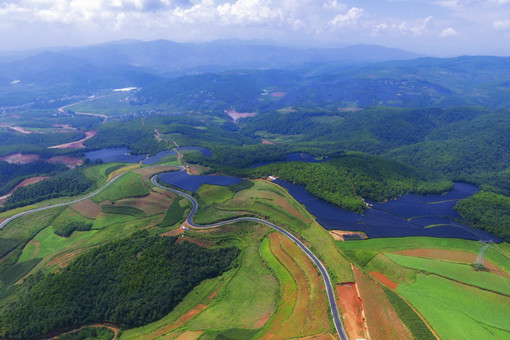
{"x": 352, "y": 310}
{"x": 77, "y": 144}
{"x": 19, "y": 158}
{"x": 381, "y": 318}
{"x": 451, "y": 255}
{"x": 237, "y": 115}
{"x": 384, "y": 280}
{"x": 201, "y": 243}
{"x": 70, "y": 162}
{"x": 337, "y": 234}
{"x": 182, "y": 320}
{"x": 265, "y": 141}
{"x": 87, "y": 208}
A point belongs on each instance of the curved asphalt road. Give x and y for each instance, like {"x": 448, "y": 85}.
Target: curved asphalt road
{"x": 327, "y": 281}
{"x": 4, "y": 223}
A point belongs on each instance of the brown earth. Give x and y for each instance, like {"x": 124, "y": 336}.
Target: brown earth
{"x": 152, "y": 204}
{"x": 182, "y": 320}
{"x": 278, "y": 94}
{"x": 65, "y": 259}
{"x": 70, "y": 162}
{"x": 190, "y": 335}
{"x": 384, "y": 280}
{"x": 19, "y": 158}
{"x": 309, "y": 315}
{"x": 87, "y": 208}
{"x": 37, "y": 245}
{"x": 150, "y": 171}
{"x": 21, "y": 130}
{"x": 451, "y": 255}
{"x": 337, "y": 234}
{"x": 381, "y": 318}
{"x": 76, "y": 144}
{"x": 349, "y": 109}
{"x": 174, "y": 232}
{"x": 265, "y": 141}
{"x": 352, "y": 310}
{"x": 237, "y": 115}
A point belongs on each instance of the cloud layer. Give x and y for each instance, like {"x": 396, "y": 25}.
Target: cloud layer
{"x": 404, "y": 23}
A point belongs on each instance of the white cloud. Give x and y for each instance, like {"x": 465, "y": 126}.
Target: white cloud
{"x": 448, "y": 32}
{"x": 245, "y": 11}
{"x": 501, "y": 25}
{"x": 351, "y": 18}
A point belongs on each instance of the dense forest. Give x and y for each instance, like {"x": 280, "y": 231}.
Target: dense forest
{"x": 12, "y": 174}
{"x": 130, "y": 282}
{"x": 69, "y": 183}
{"x": 487, "y": 211}
{"x": 138, "y": 139}
{"x": 348, "y": 180}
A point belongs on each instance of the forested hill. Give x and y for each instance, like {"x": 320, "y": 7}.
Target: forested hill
{"x": 129, "y": 282}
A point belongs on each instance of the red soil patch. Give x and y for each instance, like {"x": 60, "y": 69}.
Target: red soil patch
{"x": 70, "y": 162}
{"x": 265, "y": 141}
{"x": 87, "y": 208}
{"x": 65, "y": 259}
{"x": 213, "y": 295}
{"x": 452, "y": 255}
{"x": 278, "y": 94}
{"x": 19, "y": 158}
{"x": 381, "y": 318}
{"x": 182, "y": 320}
{"x": 77, "y": 144}
{"x": 352, "y": 310}
{"x": 384, "y": 280}
{"x": 237, "y": 115}
{"x": 289, "y": 109}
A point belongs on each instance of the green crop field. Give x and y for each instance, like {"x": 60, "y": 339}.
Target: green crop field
{"x": 249, "y": 296}
{"x": 129, "y": 185}
{"x": 459, "y": 272}
{"x": 214, "y": 193}
{"x": 382, "y": 264}
{"x": 498, "y": 254}
{"x": 457, "y": 311}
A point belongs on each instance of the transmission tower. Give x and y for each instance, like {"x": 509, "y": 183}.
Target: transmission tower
{"x": 480, "y": 259}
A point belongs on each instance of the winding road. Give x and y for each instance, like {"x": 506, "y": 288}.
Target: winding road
{"x": 4, "y": 223}
{"x": 327, "y": 280}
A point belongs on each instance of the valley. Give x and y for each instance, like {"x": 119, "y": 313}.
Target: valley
{"x": 327, "y": 200}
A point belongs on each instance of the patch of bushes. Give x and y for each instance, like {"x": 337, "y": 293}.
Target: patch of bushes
{"x": 65, "y": 230}
{"x": 174, "y": 214}
{"x": 245, "y": 184}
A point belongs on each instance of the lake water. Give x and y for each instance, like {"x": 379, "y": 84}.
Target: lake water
{"x": 409, "y": 215}
{"x": 114, "y": 155}
{"x": 182, "y": 180}
{"x": 122, "y": 155}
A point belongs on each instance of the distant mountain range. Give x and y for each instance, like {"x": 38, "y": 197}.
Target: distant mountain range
{"x": 359, "y": 75}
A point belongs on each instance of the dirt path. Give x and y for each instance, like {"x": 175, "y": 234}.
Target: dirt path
{"x": 22, "y": 184}
{"x": 76, "y": 144}
{"x": 62, "y": 109}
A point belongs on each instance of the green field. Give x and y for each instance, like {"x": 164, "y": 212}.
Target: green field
{"x": 498, "y": 254}
{"x": 214, "y": 193}
{"x": 455, "y": 271}
{"x": 129, "y": 185}
{"x": 457, "y": 311}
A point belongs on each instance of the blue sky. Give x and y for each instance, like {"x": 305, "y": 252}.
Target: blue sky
{"x": 432, "y": 27}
